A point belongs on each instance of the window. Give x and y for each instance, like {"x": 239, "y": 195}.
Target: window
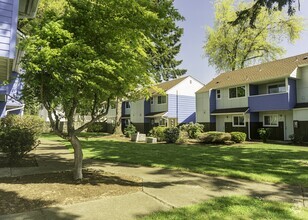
{"x": 270, "y": 120}
{"x": 152, "y": 100}
{"x": 237, "y": 92}
{"x": 218, "y": 94}
{"x": 161, "y": 99}
{"x": 278, "y": 88}
{"x": 162, "y": 122}
{"x": 238, "y": 121}
{"x": 127, "y": 105}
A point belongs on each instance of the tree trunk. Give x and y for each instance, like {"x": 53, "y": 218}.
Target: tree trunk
{"x": 78, "y": 156}
{"x": 118, "y": 120}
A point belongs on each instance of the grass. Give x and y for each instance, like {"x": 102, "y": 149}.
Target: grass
{"x": 257, "y": 161}
{"x": 233, "y": 208}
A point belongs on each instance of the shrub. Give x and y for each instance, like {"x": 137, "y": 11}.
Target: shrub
{"x": 172, "y": 134}
{"x": 192, "y": 129}
{"x": 130, "y": 130}
{"x": 158, "y": 132}
{"x": 238, "y": 137}
{"x": 214, "y": 137}
{"x": 183, "y": 138}
{"x": 296, "y": 139}
{"x": 19, "y": 135}
{"x": 264, "y": 133}
{"x": 96, "y": 127}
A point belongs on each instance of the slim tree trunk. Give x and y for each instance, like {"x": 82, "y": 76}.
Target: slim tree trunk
{"x": 118, "y": 122}
{"x": 78, "y": 156}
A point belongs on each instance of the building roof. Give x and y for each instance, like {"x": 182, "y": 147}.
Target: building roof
{"x": 258, "y": 73}
{"x": 165, "y": 86}
{"x": 301, "y": 105}
{"x": 155, "y": 114}
{"x": 230, "y": 111}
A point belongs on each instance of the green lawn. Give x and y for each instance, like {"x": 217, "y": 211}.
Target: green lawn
{"x": 234, "y": 208}
{"x": 258, "y": 161}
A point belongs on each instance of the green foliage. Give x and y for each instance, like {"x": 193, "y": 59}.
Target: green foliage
{"x": 183, "y": 138}
{"x": 172, "y": 134}
{"x": 97, "y": 127}
{"x": 158, "y": 132}
{"x": 296, "y": 139}
{"x": 264, "y": 134}
{"x": 19, "y": 135}
{"x": 231, "y": 47}
{"x": 130, "y": 130}
{"x": 193, "y": 129}
{"x": 214, "y": 137}
{"x": 238, "y": 137}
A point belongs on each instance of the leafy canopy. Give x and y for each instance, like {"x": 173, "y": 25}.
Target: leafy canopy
{"x": 231, "y": 47}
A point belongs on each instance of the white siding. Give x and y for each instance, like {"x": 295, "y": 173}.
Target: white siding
{"x": 187, "y": 87}
{"x": 202, "y": 107}
{"x": 300, "y": 114}
{"x": 302, "y": 86}
{"x": 226, "y": 102}
{"x": 137, "y": 111}
{"x": 155, "y": 107}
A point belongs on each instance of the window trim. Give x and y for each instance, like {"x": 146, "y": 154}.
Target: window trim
{"x": 127, "y": 103}
{"x": 160, "y": 100}
{"x": 152, "y": 100}
{"x": 236, "y": 92}
{"x": 264, "y": 125}
{"x": 234, "y": 125}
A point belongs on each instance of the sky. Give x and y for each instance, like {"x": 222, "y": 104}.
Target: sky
{"x": 199, "y": 14}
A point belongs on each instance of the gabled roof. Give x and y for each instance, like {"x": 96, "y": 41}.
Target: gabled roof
{"x": 258, "y": 73}
{"x": 165, "y": 86}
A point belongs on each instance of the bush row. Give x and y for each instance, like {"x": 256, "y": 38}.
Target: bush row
{"x": 215, "y": 137}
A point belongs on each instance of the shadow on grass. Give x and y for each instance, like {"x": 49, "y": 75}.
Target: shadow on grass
{"x": 258, "y": 162}
{"x": 230, "y": 208}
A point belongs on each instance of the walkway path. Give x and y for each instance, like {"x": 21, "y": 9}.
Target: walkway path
{"x": 162, "y": 189}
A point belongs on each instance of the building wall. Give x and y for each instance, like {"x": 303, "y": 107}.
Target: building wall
{"x": 302, "y": 85}
{"x": 182, "y": 107}
{"x": 202, "y": 107}
{"x": 226, "y": 102}
{"x": 137, "y": 111}
{"x": 8, "y": 27}
{"x": 155, "y": 107}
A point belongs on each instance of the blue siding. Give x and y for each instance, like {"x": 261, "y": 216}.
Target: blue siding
{"x": 147, "y": 110}
{"x": 292, "y": 93}
{"x": 269, "y": 102}
{"x": 2, "y": 109}
{"x": 8, "y": 27}
{"x": 123, "y": 108}
{"x": 212, "y": 105}
{"x": 182, "y": 107}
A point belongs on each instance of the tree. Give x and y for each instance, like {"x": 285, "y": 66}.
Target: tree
{"x": 166, "y": 38}
{"x": 81, "y": 59}
{"x": 231, "y": 47}
{"x": 251, "y": 13}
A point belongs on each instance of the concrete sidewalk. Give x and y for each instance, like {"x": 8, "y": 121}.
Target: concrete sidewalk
{"x": 162, "y": 189}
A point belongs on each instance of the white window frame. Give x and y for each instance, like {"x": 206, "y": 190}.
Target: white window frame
{"x": 276, "y": 84}
{"x": 234, "y": 125}
{"x": 237, "y": 97}
{"x": 217, "y": 94}
{"x": 161, "y": 100}
{"x": 271, "y": 125}
{"x": 152, "y": 100}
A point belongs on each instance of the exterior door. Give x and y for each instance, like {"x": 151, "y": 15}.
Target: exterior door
{"x": 220, "y": 123}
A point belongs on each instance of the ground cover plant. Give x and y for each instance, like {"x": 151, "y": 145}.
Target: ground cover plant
{"x": 253, "y": 161}
{"x": 234, "y": 208}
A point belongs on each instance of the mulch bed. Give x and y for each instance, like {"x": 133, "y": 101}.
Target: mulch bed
{"x": 26, "y": 193}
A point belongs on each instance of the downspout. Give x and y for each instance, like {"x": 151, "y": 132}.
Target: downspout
{"x": 15, "y": 109}
{"x": 248, "y": 123}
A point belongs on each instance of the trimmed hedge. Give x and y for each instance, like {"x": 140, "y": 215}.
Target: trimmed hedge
{"x": 172, "y": 134}
{"x": 158, "y": 132}
{"x": 238, "y": 137}
{"x": 192, "y": 129}
{"x": 214, "y": 137}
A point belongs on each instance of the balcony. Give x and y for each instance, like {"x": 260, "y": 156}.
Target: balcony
{"x": 270, "y": 102}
